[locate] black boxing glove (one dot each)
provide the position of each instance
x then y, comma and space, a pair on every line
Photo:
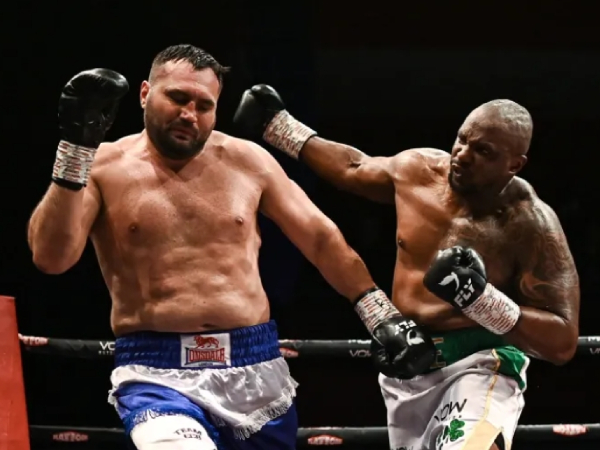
399, 348
261, 113
87, 108
457, 275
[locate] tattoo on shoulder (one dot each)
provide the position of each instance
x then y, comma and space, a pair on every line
549, 275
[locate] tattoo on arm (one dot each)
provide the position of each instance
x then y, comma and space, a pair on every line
549, 279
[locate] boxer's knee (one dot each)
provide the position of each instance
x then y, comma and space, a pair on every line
177, 432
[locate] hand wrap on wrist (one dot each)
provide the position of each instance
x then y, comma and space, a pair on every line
373, 307
287, 134
494, 311
73, 163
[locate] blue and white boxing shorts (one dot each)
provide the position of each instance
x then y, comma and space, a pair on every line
220, 390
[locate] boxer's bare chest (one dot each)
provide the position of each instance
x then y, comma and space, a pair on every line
426, 224
145, 204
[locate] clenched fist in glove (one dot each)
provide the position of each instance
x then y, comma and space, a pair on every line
86, 110
457, 275
261, 114
399, 348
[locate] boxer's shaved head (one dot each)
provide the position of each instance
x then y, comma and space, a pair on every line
513, 117
198, 58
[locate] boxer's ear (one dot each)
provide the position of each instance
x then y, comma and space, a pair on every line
144, 90
517, 163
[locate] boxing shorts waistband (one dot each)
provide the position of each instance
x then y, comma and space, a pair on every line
452, 346
207, 350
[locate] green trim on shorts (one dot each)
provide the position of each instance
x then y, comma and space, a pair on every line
458, 344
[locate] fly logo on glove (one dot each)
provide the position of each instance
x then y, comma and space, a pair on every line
465, 294
412, 338
450, 278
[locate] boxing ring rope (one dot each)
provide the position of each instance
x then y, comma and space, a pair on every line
290, 348
344, 436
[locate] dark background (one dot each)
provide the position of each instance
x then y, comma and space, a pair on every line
381, 76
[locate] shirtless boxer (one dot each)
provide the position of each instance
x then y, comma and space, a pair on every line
172, 213
482, 263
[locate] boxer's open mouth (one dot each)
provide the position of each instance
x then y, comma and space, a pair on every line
458, 171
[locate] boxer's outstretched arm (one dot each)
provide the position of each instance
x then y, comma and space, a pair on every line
261, 112
549, 293
313, 233
60, 224
349, 169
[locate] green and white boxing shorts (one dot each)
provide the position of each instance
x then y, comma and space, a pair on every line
471, 398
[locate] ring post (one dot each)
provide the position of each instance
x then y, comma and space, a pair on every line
14, 427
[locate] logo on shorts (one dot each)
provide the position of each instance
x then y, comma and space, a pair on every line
452, 432
205, 350
450, 415
206, 342
450, 410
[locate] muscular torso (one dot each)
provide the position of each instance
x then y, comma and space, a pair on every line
178, 249
429, 219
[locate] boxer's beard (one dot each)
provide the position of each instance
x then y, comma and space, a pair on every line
168, 146
456, 186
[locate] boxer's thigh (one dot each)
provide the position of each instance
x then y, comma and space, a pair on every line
409, 406
171, 432
476, 411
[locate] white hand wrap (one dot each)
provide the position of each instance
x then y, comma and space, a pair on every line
73, 163
287, 134
494, 311
374, 308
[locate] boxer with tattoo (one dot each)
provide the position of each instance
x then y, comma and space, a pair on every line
482, 263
